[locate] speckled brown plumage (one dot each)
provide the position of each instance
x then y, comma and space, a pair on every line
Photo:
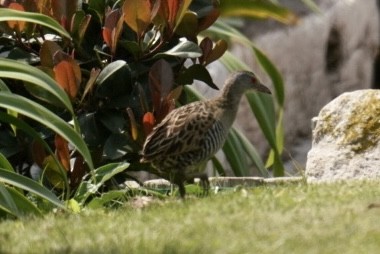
189, 136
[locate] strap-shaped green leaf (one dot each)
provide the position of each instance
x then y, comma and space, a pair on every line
20, 71
30, 185
44, 116
23, 126
251, 152
37, 18
99, 177
257, 9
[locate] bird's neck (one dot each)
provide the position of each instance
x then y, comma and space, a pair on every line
228, 105
230, 97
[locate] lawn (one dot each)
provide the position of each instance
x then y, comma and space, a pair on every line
293, 218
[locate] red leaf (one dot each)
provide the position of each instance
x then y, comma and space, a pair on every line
38, 153
206, 46
164, 12
107, 36
161, 77
161, 80
148, 122
79, 170
166, 106
62, 151
111, 19
47, 52
137, 14
207, 21
90, 82
67, 73
219, 48
116, 32
134, 128
63, 10
17, 25
174, 94
110, 24
173, 7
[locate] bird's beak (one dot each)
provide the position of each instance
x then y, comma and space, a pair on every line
263, 89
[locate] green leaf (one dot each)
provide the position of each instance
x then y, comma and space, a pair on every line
98, 5
278, 166
113, 121
263, 109
198, 72
37, 18
273, 73
188, 25
15, 70
106, 172
312, 5
218, 166
44, 116
181, 12
20, 206
79, 24
7, 202
99, 177
54, 174
4, 163
184, 49
279, 139
234, 154
132, 46
113, 79
30, 185
107, 197
251, 152
261, 9
274, 158
116, 146
231, 62
21, 125
3, 87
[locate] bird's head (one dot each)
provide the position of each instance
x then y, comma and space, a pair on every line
244, 81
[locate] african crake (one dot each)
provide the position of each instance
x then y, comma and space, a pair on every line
180, 146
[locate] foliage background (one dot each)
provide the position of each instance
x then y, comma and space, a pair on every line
82, 85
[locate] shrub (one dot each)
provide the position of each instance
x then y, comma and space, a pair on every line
83, 85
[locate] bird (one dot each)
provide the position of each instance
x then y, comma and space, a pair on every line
180, 145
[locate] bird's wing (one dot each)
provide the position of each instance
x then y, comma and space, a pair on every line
183, 130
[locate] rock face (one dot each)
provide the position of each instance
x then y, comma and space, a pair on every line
346, 139
320, 58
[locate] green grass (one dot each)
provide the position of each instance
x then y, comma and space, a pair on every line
279, 219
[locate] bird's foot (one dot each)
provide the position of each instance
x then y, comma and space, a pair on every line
205, 185
203, 182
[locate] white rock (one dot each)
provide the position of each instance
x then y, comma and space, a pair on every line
346, 139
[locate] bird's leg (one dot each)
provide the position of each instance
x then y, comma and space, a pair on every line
179, 179
204, 182
181, 188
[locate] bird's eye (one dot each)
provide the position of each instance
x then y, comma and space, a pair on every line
253, 79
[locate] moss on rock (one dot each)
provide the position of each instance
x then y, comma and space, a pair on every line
360, 130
